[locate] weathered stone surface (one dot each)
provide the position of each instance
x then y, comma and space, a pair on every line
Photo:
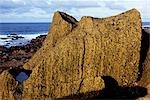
7, 86
61, 25
76, 54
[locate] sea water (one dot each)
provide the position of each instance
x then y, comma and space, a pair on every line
18, 34
146, 24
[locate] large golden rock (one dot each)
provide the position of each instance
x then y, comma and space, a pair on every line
76, 54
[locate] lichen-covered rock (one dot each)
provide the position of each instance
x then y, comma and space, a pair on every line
76, 54
7, 86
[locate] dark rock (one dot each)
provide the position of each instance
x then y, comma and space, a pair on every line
16, 56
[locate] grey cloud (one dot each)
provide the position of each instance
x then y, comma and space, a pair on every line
76, 4
112, 5
24, 5
47, 5
42, 8
9, 4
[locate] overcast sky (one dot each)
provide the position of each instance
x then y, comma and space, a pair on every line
42, 10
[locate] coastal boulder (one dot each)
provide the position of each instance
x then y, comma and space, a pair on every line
76, 54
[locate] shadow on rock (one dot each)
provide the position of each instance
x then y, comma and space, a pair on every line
111, 91
16, 71
144, 50
20, 75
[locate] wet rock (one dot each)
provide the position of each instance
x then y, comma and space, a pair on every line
147, 30
16, 56
2, 48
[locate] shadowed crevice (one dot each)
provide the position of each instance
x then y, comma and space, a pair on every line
68, 18
19, 71
143, 51
19, 75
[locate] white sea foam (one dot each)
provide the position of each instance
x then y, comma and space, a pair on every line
8, 40
146, 26
32, 36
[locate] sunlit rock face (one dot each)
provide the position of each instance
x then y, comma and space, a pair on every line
76, 54
7, 86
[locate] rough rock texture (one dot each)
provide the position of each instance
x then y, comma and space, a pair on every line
60, 27
7, 86
76, 54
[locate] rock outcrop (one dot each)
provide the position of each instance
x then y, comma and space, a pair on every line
8, 86
76, 54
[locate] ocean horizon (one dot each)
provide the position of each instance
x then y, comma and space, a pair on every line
18, 34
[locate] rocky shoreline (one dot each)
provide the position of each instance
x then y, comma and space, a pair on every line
17, 56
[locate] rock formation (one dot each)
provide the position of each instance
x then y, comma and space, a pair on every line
76, 54
8, 86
